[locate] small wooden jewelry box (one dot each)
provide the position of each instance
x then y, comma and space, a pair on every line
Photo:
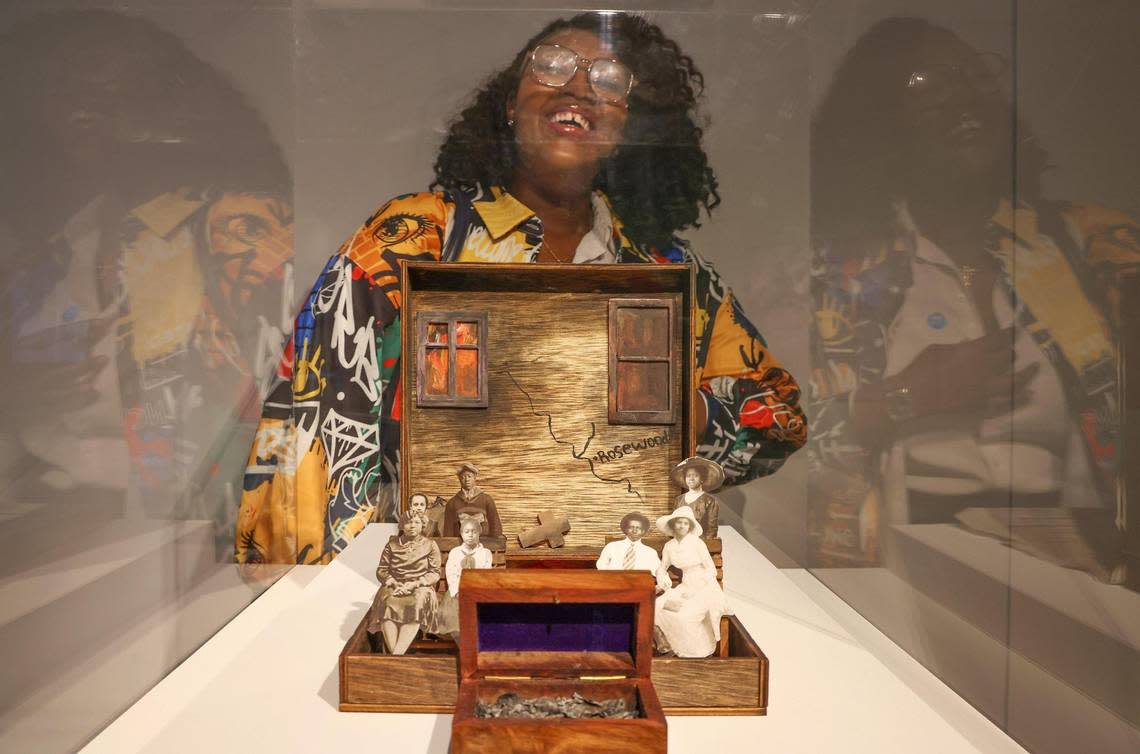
552, 633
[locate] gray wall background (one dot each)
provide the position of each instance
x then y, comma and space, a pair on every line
358, 94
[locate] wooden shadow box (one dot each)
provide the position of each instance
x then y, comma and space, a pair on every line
545, 433
513, 367
553, 633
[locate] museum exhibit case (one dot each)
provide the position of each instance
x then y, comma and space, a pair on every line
311, 307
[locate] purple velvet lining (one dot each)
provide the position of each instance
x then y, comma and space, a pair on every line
543, 627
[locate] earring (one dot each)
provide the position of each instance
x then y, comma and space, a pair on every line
511, 122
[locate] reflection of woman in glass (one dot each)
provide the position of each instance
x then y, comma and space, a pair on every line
146, 240
962, 334
583, 148
687, 616
408, 572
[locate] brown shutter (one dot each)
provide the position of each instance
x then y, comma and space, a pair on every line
642, 362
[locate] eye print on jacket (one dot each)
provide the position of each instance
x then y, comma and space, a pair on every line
402, 228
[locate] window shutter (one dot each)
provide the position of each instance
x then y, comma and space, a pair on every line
642, 361
451, 359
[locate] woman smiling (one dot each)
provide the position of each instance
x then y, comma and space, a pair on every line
583, 149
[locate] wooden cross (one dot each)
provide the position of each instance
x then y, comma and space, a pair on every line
551, 527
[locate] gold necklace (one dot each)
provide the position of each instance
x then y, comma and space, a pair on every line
554, 254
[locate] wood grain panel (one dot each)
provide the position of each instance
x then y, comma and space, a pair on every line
709, 682
537, 443
563, 557
733, 685
401, 679
557, 735
549, 278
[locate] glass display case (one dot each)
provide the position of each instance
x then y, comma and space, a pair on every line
913, 229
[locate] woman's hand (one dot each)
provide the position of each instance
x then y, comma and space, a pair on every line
971, 374
942, 379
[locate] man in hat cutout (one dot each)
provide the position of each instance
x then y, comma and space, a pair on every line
470, 496
630, 554
699, 476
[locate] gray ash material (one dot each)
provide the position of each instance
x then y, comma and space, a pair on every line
575, 707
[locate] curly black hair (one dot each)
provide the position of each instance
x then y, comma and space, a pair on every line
859, 160
658, 179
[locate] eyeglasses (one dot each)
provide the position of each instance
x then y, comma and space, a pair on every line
940, 81
552, 65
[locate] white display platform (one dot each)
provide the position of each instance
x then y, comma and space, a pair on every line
100, 613
1049, 650
832, 689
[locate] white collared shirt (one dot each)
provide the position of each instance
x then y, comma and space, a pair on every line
454, 566
969, 452
613, 556
596, 247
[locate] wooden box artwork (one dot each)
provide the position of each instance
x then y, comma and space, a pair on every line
555, 633
545, 441
572, 392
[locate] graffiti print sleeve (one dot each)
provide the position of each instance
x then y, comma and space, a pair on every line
326, 455
753, 404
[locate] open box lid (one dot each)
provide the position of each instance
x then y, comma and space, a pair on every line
552, 623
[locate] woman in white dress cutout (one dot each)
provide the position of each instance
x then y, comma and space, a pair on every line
688, 615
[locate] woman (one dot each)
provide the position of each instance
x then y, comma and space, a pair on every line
699, 476
687, 616
963, 337
406, 602
147, 241
583, 148
418, 503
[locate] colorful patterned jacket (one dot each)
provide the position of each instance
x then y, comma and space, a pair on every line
325, 459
